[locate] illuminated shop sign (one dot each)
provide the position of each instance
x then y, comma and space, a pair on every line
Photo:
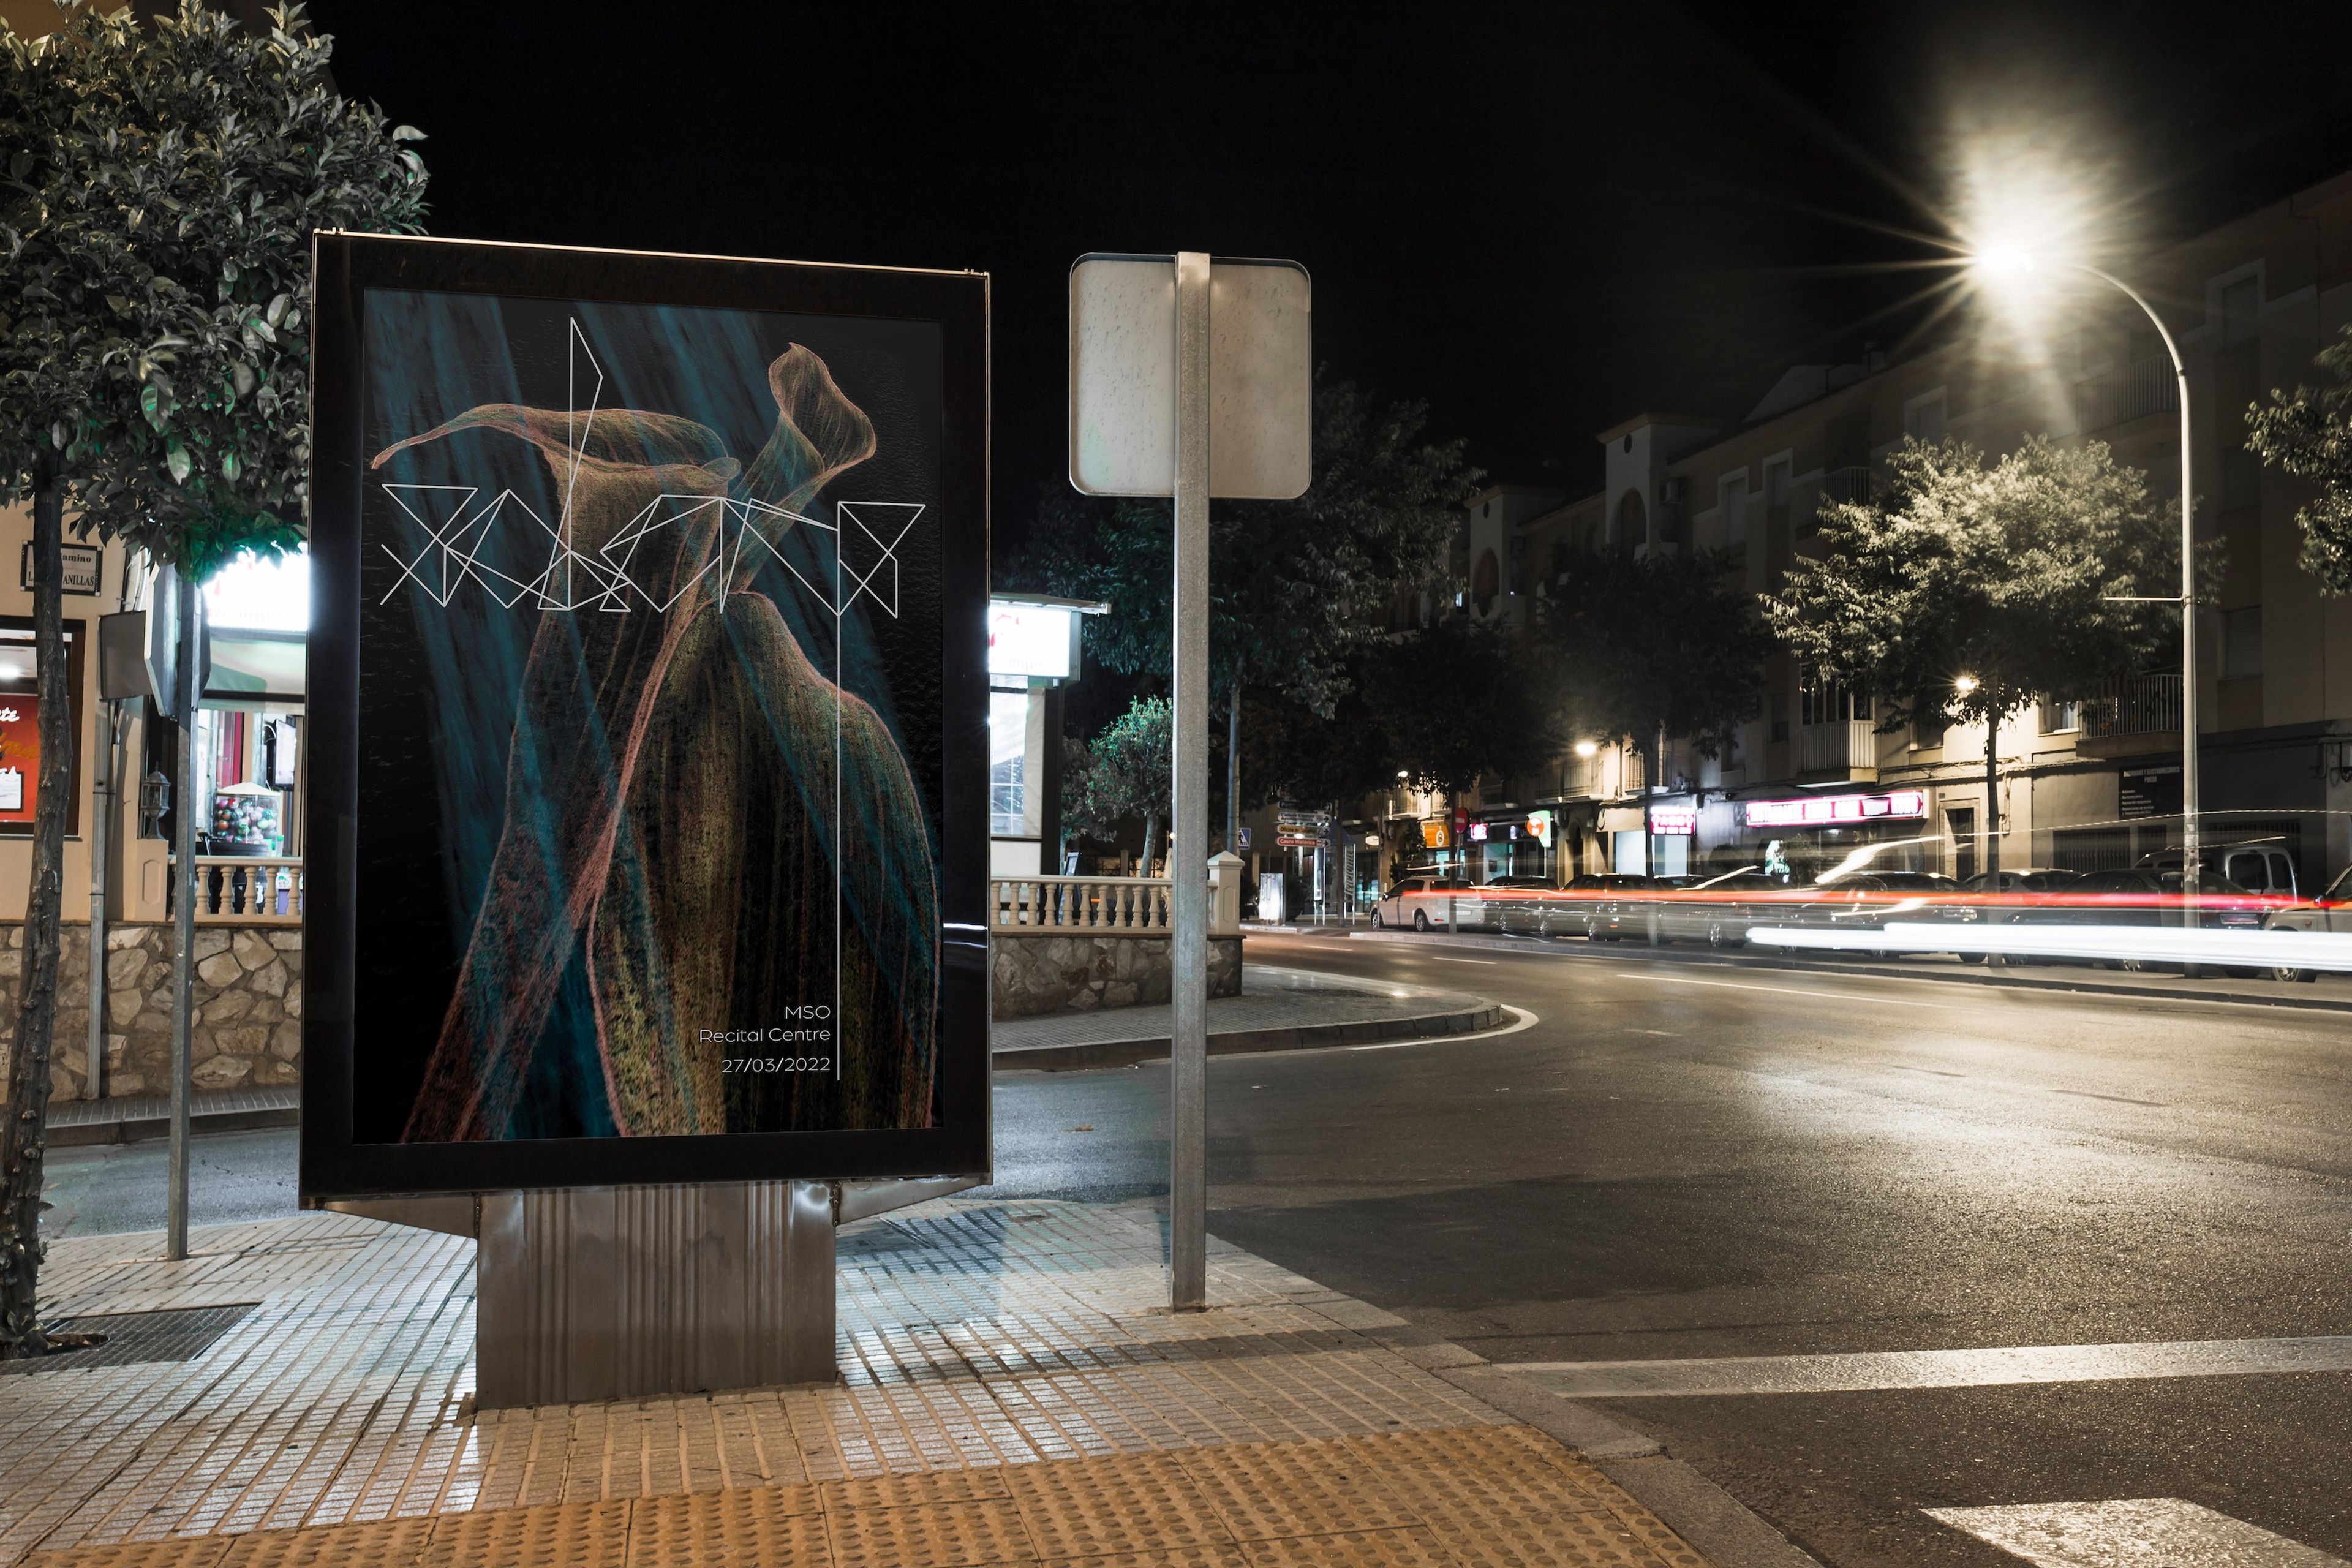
1039, 640
1674, 821
1834, 810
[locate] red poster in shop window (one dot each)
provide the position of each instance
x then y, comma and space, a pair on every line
20, 755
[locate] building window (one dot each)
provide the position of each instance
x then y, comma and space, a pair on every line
1008, 749
2241, 642
1927, 731
2242, 317
2060, 718
1820, 702
20, 727
1922, 418
1632, 521
1731, 497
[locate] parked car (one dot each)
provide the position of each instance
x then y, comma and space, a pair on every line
1422, 902
1606, 906
1872, 901
2332, 911
2147, 897
1513, 904
1719, 910
2257, 868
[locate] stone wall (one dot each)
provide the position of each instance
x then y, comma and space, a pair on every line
1070, 972
248, 1030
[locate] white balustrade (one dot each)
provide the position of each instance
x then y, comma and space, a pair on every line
1139, 905
247, 889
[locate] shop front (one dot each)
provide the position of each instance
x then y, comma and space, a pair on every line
1512, 842
1803, 838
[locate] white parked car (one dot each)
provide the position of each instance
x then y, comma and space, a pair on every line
1429, 903
2332, 910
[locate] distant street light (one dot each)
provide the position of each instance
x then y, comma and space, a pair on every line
2009, 268
1964, 684
1588, 748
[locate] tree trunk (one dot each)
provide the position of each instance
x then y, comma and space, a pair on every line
22, 1134
1992, 801
1233, 772
1151, 841
187, 812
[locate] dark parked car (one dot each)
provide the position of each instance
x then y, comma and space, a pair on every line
1719, 910
1869, 901
1515, 904
2147, 897
1606, 906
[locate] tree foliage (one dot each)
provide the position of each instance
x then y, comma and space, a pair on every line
1444, 705
163, 181
2008, 575
1126, 773
1637, 642
2309, 434
1295, 586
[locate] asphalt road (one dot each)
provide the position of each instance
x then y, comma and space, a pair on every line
1679, 1162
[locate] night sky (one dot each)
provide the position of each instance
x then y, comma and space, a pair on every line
1539, 220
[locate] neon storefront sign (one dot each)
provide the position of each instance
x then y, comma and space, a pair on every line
1834, 810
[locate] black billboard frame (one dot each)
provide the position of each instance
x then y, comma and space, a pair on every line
344, 267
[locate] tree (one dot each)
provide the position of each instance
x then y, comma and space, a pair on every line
1129, 772
2309, 434
1295, 587
1966, 592
161, 187
1453, 703
1647, 646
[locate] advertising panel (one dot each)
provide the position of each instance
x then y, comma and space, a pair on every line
648, 701
1834, 810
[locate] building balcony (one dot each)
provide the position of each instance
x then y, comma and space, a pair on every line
2131, 714
1847, 749
2137, 390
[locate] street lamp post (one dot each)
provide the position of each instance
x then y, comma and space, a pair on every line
2009, 260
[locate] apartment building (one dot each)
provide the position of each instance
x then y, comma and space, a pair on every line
1813, 779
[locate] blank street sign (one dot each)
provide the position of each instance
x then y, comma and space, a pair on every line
1123, 377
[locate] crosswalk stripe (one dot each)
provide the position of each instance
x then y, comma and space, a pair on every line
1867, 1371
2134, 1532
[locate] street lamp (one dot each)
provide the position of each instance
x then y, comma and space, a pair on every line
2008, 267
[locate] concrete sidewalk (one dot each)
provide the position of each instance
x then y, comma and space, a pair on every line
1015, 1391
134, 1118
1279, 1010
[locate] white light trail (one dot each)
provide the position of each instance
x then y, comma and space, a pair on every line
2149, 944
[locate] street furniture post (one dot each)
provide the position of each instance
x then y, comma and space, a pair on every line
1188, 1185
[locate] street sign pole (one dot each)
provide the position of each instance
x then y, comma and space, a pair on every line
1187, 1174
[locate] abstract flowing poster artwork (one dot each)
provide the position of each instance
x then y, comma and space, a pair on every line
646, 591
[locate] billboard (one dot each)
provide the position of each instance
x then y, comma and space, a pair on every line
647, 680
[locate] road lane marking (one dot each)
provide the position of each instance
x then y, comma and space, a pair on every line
1442, 959
2132, 1532
1870, 1372
1520, 1019
1793, 991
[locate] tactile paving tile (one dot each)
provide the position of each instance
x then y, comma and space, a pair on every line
914, 1489
1528, 1534
1223, 1554
551, 1535
1264, 1490
1364, 1549
1127, 1502
390, 1544
753, 1528
1473, 1468
943, 1535
1652, 1530
201, 1551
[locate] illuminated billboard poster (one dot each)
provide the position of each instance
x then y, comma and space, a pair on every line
1834, 810
648, 694
1674, 821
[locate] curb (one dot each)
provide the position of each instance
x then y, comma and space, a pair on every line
142, 1129
1234, 1042
1973, 976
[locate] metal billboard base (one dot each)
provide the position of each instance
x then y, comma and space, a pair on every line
599, 1293
585, 1294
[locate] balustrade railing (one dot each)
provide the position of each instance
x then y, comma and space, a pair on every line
1847, 745
2143, 387
238, 890
1140, 906
2134, 705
